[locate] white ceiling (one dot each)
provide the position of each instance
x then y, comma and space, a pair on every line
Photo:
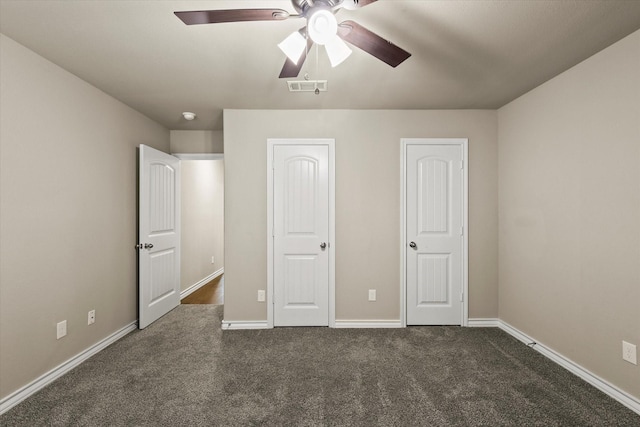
466, 54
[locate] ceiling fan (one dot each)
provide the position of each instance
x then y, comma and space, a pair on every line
322, 28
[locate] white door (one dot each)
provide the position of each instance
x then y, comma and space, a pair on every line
301, 243
434, 221
159, 235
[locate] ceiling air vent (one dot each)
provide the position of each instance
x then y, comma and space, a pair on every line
307, 85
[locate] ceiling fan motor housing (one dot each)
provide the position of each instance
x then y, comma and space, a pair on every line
304, 6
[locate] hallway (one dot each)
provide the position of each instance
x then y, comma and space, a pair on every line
211, 293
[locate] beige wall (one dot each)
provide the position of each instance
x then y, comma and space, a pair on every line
67, 213
570, 212
367, 203
202, 219
196, 141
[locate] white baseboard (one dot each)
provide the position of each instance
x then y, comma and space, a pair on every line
604, 386
46, 379
262, 324
244, 324
483, 323
191, 289
368, 324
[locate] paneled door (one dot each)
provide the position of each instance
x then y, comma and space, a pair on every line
159, 235
434, 241
301, 234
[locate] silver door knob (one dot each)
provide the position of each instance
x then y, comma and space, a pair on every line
323, 245
148, 245
139, 246
413, 245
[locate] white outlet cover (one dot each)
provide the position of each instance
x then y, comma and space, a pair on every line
261, 296
61, 329
629, 352
372, 294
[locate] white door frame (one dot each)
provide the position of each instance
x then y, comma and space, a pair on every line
271, 143
404, 143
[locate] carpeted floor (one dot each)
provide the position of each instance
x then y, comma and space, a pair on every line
184, 371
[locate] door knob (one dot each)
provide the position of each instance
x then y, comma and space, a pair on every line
148, 245
413, 245
323, 245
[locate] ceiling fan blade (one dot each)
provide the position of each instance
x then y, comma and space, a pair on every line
232, 15
290, 69
372, 43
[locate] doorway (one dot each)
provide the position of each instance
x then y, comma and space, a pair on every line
434, 231
202, 243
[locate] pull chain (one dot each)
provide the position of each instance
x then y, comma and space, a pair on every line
317, 91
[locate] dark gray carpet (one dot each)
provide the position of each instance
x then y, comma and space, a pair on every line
184, 371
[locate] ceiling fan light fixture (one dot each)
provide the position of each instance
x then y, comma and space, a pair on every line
337, 51
293, 46
322, 26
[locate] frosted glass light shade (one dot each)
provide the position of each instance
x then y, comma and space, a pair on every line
322, 26
337, 50
293, 46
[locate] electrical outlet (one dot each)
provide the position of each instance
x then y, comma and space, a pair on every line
91, 317
629, 353
61, 329
261, 296
213, 260
372, 294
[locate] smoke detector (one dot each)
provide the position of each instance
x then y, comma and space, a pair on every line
189, 115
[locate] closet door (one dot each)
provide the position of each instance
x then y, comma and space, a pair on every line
434, 234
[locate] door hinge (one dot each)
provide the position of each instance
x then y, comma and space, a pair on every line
462, 231
461, 296
461, 164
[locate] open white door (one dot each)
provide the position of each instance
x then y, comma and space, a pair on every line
159, 235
